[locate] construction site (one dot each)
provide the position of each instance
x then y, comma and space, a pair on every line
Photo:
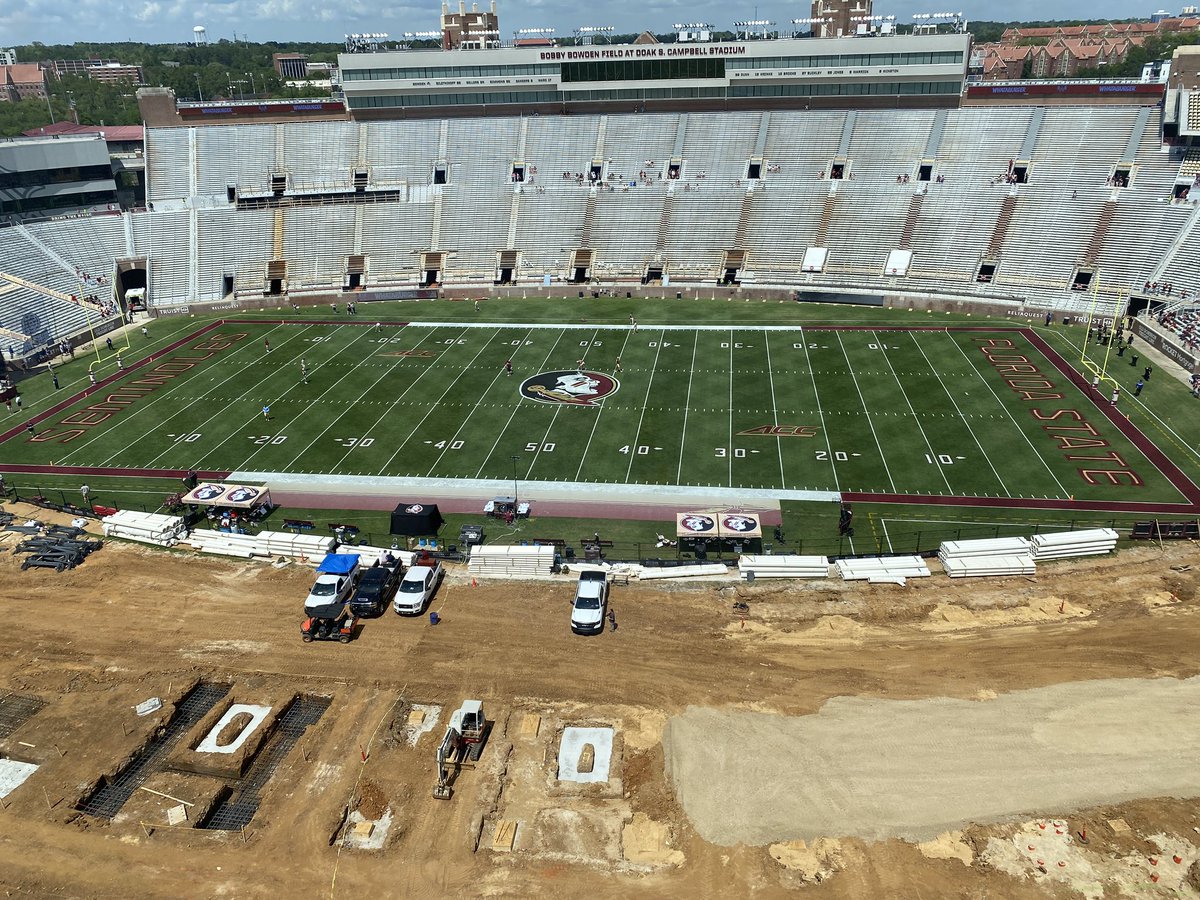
164, 732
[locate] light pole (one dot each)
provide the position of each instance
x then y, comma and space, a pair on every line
253, 90
229, 81
199, 92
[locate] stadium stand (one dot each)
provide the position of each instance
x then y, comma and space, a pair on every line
332, 205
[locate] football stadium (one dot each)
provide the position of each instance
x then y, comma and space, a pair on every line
853, 403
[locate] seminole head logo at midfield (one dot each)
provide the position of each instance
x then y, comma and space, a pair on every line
573, 388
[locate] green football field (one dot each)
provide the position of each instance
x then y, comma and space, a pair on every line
944, 412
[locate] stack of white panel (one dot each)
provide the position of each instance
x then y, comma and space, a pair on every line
148, 528
224, 543
652, 573
979, 566
370, 554
510, 561
288, 543
989, 556
1064, 544
1007, 546
784, 566
883, 569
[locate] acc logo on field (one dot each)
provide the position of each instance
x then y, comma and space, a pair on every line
415, 509
698, 524
569, 387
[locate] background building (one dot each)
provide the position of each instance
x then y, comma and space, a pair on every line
22, 81
115, 73
839, 16
469, 30
292, 66
8, 57
912, 71
41, 175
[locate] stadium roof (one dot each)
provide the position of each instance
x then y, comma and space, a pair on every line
115, 133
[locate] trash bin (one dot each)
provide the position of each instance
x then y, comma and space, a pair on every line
434, 618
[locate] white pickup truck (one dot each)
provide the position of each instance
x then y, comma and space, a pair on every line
416, 590
591, 603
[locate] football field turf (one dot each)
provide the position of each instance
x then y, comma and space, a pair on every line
938, 412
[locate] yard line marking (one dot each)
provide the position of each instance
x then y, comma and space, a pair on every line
687, 403
932, 453
599, 413
774, 409
554, 418
439, 400
642, 418
166, 395
294, 418
382, 416
1003, 486
730, 444
870, 424
517, 406
476, 406
821, 413
1007, 412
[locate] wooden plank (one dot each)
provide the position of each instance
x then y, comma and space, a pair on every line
505, 836
530, 724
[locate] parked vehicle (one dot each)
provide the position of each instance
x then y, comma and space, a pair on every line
337, 576
334, 622
417, 588
591, 603
375, 591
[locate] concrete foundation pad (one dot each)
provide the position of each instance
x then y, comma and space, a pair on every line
257, 714
371, 838
13, 774
414, 727
572, 744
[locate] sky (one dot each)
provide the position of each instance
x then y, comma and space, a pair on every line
171, 21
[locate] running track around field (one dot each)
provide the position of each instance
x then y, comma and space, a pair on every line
602, 509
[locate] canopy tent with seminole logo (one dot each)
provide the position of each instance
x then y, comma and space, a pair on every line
228, 496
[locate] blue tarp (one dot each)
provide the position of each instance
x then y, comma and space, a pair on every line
338, 563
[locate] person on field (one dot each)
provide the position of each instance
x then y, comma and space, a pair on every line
1137, 388
267, 344
508, 367
266, 411
617, 365
304, 371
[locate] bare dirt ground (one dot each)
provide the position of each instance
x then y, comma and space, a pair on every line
134, 623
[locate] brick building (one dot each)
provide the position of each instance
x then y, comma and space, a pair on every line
22, 81
470, 30
1062, 51
839, 16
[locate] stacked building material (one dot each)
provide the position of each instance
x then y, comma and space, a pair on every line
990, 556
369, 554
148, 528
751, 566
288, 543
226, 543
510, 561
882, 569
654, 573
1066, 544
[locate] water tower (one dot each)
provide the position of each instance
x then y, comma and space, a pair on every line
199, 35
